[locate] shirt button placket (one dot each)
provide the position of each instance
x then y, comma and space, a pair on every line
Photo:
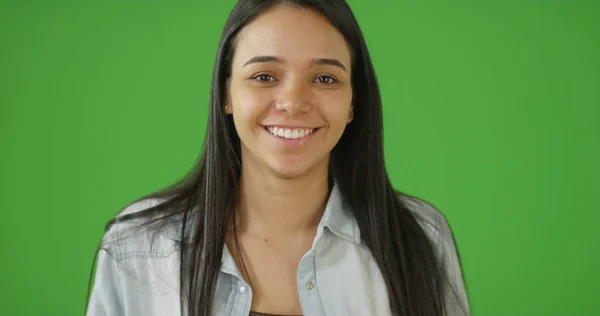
242, 299
307, 287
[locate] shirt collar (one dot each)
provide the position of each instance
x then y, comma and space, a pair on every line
338, 218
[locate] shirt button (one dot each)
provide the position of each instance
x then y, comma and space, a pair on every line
242, 290
310, 285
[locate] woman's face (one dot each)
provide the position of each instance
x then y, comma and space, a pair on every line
290, 92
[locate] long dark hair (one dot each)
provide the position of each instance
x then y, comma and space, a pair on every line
205, 199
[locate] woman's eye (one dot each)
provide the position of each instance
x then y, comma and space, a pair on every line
326, 79
264, 78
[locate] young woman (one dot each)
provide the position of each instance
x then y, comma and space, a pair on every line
289, 210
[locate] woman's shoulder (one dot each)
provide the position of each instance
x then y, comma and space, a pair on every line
132, 233
430, 217
436, 226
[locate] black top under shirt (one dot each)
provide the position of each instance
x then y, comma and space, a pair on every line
263, 314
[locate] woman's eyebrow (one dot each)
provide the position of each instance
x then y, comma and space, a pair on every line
328, 61
314, 61
263, 59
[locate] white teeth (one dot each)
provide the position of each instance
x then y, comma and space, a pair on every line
290, 133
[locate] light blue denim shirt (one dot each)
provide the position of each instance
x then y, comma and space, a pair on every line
139, 275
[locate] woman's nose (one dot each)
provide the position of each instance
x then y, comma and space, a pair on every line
294, 99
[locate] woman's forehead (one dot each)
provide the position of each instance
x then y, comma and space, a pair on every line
293, 34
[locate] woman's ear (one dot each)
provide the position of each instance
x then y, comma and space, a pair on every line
350, 114
228, 108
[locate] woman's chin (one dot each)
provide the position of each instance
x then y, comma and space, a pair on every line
290, 168
289, 172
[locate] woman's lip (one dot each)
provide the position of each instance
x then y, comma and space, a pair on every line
291, 142
288, 127
314, 129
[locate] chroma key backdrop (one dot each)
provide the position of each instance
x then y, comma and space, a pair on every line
491, 113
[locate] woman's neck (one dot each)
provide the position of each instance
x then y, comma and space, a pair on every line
274, 206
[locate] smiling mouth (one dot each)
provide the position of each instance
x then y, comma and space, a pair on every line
290, 133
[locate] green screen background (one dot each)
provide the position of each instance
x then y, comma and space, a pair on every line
491, 113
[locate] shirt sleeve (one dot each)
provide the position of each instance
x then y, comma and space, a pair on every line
457, 303
106, 298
